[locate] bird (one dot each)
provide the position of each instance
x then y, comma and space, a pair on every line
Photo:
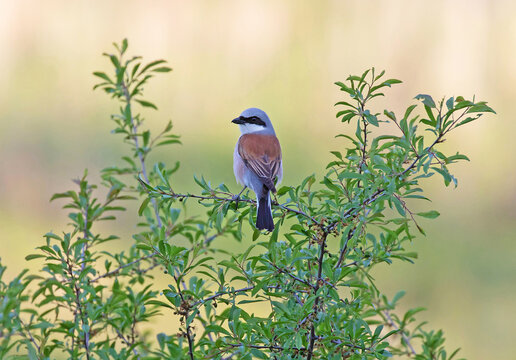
257, 162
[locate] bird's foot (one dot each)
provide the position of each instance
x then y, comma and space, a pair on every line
236, 198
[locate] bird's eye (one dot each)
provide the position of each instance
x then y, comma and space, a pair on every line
256, 120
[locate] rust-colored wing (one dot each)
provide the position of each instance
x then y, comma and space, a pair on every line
262, 155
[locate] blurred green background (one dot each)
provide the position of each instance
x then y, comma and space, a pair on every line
282, 56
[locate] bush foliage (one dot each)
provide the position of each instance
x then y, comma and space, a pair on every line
303, 291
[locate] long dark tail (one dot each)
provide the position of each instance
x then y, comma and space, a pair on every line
264, 214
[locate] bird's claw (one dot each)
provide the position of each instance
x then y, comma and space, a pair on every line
236, 199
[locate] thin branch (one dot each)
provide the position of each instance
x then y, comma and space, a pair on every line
419, 156
380, 191
322, 246
134, 129
345, 248
391, 323
230, 356
78, 311
127, 342
84, 246
364, 144
31, 338
283, 271
350, 264
121, 267
188, 331
221, 293
208, 240
451, 126
405, 207
231, 199
270, 347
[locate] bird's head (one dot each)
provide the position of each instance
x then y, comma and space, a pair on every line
254, 120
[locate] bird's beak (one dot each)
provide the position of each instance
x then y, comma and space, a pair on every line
238, 121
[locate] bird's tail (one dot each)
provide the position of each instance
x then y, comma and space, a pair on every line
264, 215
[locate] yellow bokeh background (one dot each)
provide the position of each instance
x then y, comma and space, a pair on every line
282, 56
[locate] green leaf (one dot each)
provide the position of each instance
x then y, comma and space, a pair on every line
162, 69
146, 104
426, 99
124, 46
345, 103
429, 214
371, 118
399, 206
151, 64
34, 256
393, 81
351, 175
103, 76
166, 142
481, 107
397, 297
52, 236
330, 185
410, 314
467, 120
337, 154
449, 103
142, 246
345, 88
283, 190
115, 61
409, 111
456, 157
389, 114
143, 206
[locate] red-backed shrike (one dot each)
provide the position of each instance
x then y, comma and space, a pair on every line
257, 161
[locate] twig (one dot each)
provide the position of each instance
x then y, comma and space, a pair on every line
30, 335
84, 246
230, 199
283, 271
345, 248
218, 294
121, 267
270, 347
230, 356
79, 311
405, 338
77, 291
317, 299
405, 207
127, 342
188, 334
380, 191
140, 155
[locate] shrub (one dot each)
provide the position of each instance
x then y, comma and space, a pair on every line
311, 276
